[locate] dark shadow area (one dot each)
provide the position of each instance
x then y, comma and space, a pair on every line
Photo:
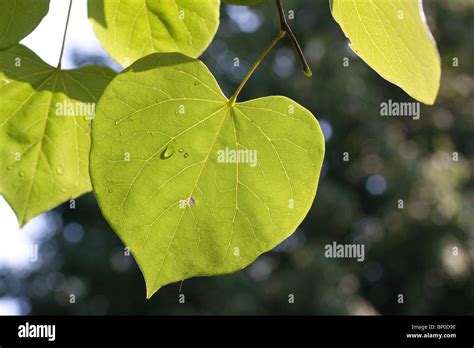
96, 11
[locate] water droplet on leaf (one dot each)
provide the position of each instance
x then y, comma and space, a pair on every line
60, 170
168, 152
181, 150
186, 155
22, 173
191, 202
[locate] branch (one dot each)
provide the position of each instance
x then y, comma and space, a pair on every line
64, 36
286, 28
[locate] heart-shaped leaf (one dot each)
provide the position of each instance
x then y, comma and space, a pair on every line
192, 185
18, 18
129, 30
393, 38
44, 116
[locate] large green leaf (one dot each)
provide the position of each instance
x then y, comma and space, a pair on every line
44, 145
18, 18
393, 38
163, 182
129, 30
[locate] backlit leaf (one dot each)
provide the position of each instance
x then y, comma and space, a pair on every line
163, 170
129, 30
44, 117
393, 38
18, 18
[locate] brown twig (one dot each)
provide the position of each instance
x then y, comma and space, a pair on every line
286, 28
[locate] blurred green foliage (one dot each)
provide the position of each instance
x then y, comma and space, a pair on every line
409, 251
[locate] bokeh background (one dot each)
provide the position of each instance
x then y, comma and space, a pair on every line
409, 251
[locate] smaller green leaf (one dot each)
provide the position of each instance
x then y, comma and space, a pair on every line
129, 30
244, 2
18, 18
44, 119
393, 38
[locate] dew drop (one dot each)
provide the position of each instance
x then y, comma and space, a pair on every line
186, 155
181, 150
60, 170
110, 191
191, 202
22, 173
116, 123
167, 153
196, 83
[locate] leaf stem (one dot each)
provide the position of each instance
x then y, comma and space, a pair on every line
272, 44
286, 27
64, 36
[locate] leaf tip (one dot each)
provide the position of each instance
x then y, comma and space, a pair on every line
150, 291
21, 218
430, 101
426, 97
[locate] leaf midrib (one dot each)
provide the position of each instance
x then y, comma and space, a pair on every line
57, 73
206, 160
